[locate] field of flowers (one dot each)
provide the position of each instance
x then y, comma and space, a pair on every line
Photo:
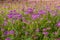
29, 23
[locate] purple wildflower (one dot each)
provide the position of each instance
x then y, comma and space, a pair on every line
7, 39
11, 32
58, 24
6, 33
45, 33
19, 16
41, 12
5, 22
14, 15
12, 11
35, 16
58, 39
48, 8
44, 29
58, 7
26, 12
10, 15
29, 10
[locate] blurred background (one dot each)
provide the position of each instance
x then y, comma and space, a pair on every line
16, 4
